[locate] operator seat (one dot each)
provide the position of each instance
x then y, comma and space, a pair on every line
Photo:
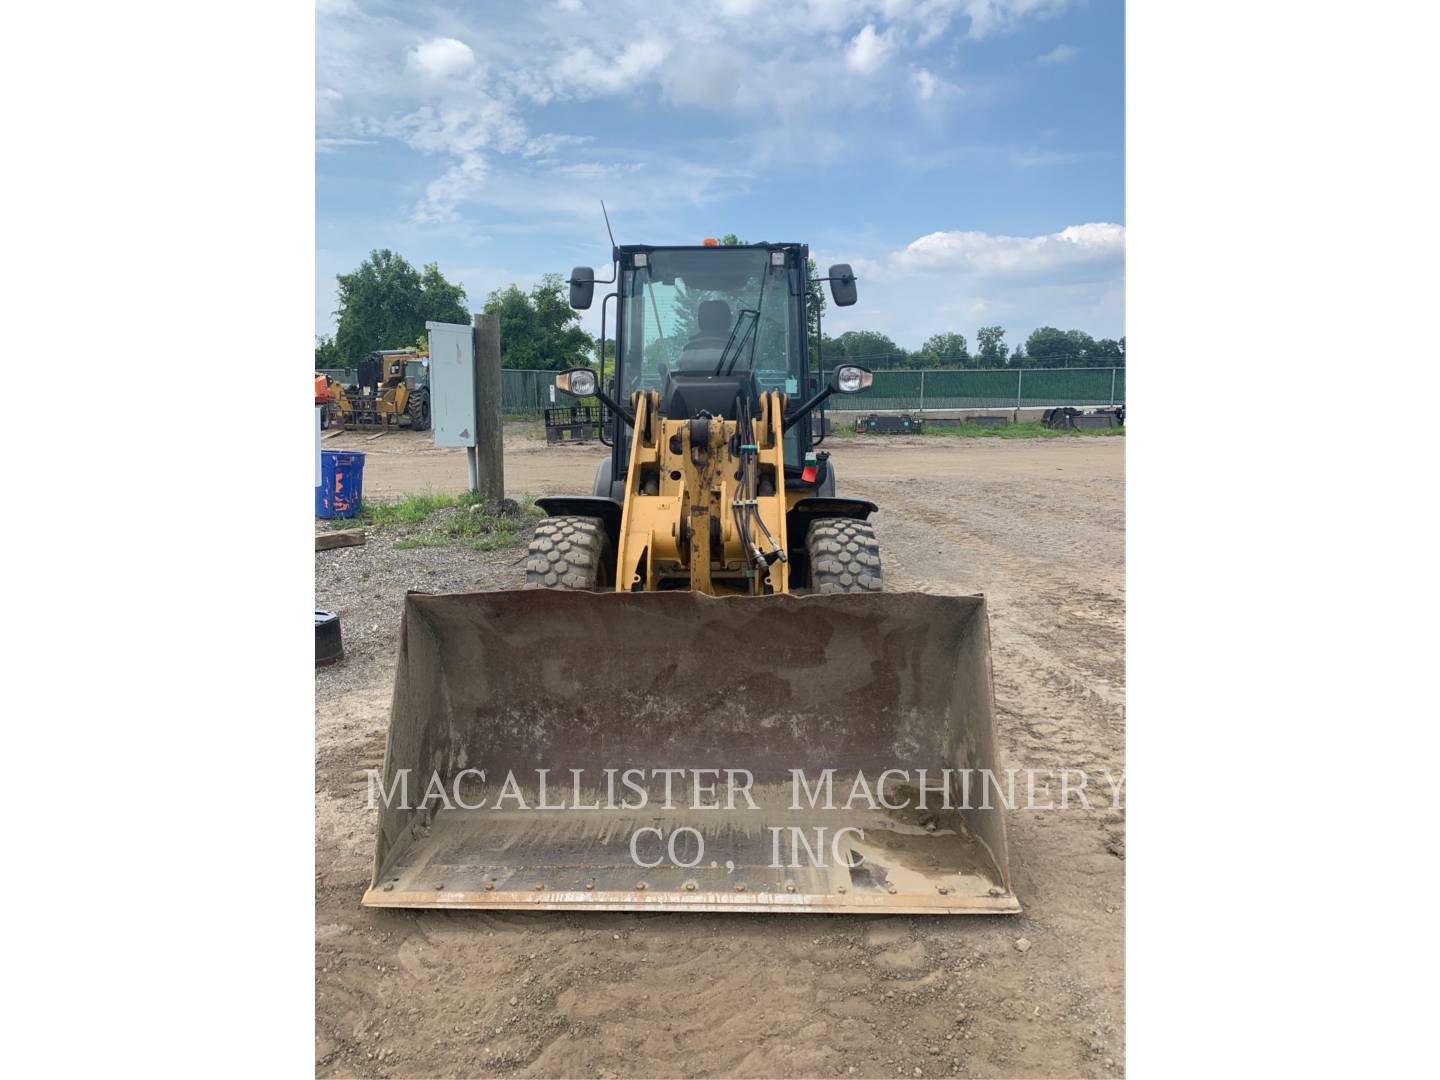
703, 350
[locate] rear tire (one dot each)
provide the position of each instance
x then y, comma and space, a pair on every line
418, 409
844, 556
568, 553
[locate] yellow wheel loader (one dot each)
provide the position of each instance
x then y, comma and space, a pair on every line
702, 699
390, 386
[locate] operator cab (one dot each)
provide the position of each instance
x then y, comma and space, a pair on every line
704, 325
717, 311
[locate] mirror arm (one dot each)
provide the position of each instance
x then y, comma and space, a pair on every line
614, 274
806, 409
614, 406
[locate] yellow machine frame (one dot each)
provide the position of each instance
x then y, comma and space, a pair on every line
387, 402
687, 493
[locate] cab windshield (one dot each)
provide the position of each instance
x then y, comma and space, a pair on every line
711, 311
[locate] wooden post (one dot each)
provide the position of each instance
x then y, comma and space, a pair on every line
489, 479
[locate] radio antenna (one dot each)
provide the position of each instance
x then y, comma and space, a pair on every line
607, 223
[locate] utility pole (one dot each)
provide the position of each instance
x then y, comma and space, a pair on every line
487, 461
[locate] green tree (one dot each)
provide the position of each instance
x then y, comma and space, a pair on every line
1082, 348
609, 352
384, 304
326, 354
1107, 352
990, 341
868, 347
814, 303
539, 329
1018, 357
1049, 347
944, 350
440, 300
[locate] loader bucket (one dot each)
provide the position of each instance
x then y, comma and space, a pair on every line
674, 751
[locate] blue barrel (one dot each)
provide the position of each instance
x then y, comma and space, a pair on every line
342, 474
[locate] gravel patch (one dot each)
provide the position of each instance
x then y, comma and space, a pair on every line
366, 585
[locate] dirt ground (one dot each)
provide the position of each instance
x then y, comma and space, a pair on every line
1036, 525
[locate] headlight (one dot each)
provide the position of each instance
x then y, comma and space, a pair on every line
578, 381
851, 379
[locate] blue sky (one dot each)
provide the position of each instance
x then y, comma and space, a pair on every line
966, 156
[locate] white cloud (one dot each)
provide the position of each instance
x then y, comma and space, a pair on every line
1002, 16
708, 77
461, 181
334, 146
597, 170
544, 147
442, 57
1060, 54
327, 103
931, 90
925, 84
960, 280
486, 123
985, 253
868, 50
583, 72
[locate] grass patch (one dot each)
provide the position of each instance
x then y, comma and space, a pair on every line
430, 519
406, 510
1031, 429
524, 426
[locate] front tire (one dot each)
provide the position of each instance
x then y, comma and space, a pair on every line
568, 553
418, 409
844, 556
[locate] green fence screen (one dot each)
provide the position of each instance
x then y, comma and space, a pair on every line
984, 388
527, 393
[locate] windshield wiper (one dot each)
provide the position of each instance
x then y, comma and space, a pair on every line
755, 316
754, 325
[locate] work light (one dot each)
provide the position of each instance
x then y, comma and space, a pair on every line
577, 381
851, 379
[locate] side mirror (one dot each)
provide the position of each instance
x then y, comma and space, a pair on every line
842, 285
579, 381
582, 288
851, 378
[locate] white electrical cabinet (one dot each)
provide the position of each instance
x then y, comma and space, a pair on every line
452, 383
